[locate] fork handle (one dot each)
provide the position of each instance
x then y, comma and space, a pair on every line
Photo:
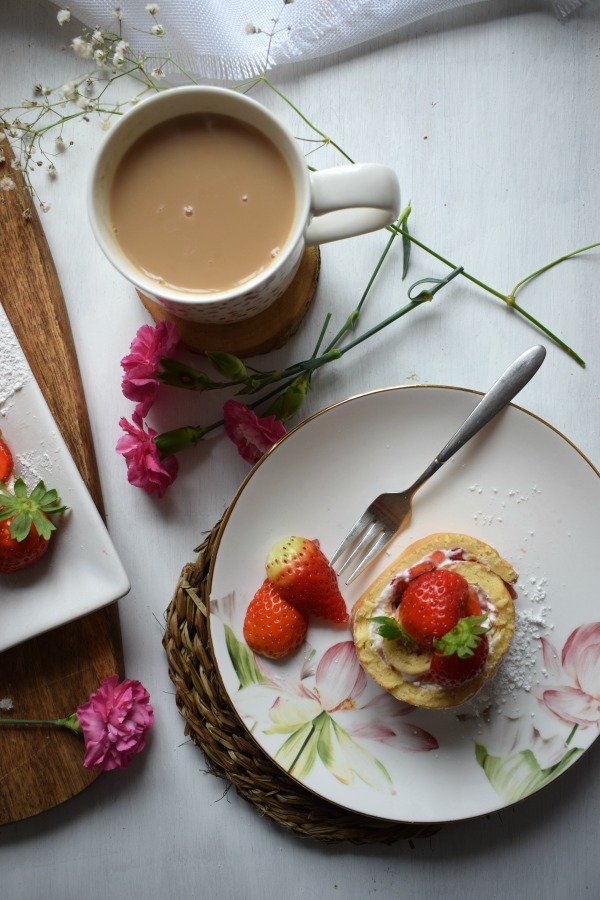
518, 374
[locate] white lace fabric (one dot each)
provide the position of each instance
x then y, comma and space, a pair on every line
229, 39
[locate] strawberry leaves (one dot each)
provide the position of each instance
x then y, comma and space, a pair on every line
391, 629
463, 639
24, 510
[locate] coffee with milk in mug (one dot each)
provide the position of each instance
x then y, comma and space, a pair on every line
202, 203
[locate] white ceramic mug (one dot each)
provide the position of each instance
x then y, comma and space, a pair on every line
329, 205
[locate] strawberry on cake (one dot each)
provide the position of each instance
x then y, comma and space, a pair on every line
434, 626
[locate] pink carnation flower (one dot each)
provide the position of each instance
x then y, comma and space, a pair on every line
115, 722
145, 469
150, 345
251, 435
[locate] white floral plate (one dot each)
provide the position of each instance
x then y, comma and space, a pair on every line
81, 570
520, 486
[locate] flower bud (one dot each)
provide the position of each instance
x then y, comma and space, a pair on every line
228, 365
288, 403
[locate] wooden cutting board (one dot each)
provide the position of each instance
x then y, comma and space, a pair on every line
50, 676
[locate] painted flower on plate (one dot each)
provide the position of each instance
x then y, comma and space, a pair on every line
574, 697
324, 709
516, 758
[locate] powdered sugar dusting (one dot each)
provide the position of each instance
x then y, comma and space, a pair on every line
14, 370
500, 502
519, 672
32, 464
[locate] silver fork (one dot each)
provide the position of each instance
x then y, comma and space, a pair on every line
388, 513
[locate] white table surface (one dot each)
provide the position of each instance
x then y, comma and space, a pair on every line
490, 116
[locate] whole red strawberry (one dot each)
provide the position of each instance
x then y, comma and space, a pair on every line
432, 604
6, 461
453, 670
272, 626
302, 575
25, 527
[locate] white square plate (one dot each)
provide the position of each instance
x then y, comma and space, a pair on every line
81, 570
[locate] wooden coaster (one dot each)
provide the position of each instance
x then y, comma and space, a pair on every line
267, 331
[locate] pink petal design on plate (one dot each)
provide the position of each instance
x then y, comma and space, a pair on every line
551, 657
385, 705
404, 736
572, 706
581, 658
339, 676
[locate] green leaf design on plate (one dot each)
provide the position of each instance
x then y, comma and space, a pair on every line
339, 753
519, 775
299, 753
288, 716
358, 760
242, 660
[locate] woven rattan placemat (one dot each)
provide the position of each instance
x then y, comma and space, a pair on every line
229, 750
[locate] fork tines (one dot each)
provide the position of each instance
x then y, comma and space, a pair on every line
363, 542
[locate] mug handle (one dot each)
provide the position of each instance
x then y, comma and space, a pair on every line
352, 200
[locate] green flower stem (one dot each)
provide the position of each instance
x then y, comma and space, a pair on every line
71, 722
352, 319
188, 436
509, 299
572, 734
30, 722
553, 337
551, 265
262, 79
170, 442
406, 234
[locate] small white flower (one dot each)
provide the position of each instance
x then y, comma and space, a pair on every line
100, 56
118, 60
27, 214
52, 171
104, 124
250, 28
7, 183
45, 207
157, 74
6, 703
69, 90
60, 145
157, 30
82, 48
85, 103
135, 100
152, 8
118, 13
63, 16
121, 47
97, 37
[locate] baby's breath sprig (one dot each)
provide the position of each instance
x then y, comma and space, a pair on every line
87, 97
